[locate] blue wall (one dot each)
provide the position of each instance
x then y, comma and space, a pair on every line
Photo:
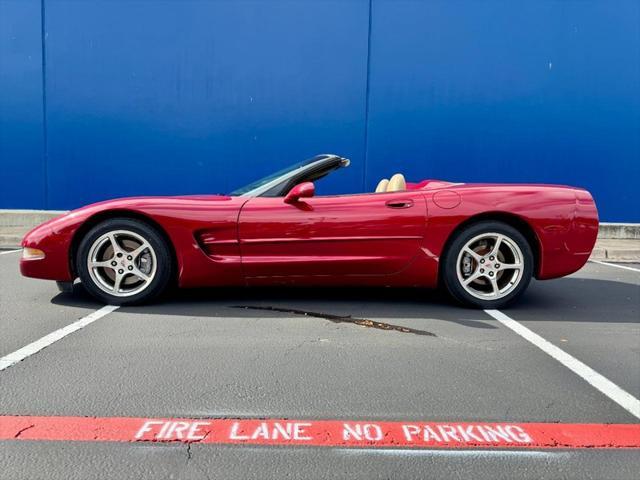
109, 98
22, 162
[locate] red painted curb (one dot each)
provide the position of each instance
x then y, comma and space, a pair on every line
323, 433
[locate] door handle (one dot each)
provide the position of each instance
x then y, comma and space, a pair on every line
399, 203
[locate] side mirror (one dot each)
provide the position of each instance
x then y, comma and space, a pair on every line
302, 190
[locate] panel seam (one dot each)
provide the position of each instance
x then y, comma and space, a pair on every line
45, 149
366, 104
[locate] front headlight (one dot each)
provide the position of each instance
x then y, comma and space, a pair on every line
32, 254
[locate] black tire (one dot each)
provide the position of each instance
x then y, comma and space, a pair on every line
449, 266
157, 283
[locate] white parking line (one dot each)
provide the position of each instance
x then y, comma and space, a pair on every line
616, 265
601, 383
24, 352
4, 252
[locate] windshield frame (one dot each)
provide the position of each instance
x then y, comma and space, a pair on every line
286, 175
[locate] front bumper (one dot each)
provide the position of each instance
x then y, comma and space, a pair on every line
55, 264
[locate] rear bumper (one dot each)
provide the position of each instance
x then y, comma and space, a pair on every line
568, 249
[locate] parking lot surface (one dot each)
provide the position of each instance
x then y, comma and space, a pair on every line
349, 355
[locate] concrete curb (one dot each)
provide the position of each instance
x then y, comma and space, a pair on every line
614, 250
14, 224
617, 242
622, 231
26, 219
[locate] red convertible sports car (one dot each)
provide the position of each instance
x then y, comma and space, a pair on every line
483, 242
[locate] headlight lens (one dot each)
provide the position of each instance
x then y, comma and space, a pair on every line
32, 254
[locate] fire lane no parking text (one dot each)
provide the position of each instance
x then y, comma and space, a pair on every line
322, 433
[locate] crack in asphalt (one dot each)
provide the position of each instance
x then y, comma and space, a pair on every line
363, 322
22, 430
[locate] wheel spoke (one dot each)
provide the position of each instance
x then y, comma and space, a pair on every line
139, 250
114, 243
103, 264
511, 266
496, 247
142, 276
495, 290
473, 254
474, 276
118, 281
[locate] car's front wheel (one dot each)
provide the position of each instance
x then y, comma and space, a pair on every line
488, 265
123, 261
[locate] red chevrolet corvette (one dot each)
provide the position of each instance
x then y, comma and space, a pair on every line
483, 242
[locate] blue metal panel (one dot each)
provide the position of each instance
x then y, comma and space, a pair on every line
199, 97
22, 167
527, 91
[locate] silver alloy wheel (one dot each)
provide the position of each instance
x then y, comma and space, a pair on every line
490, 266
122, 263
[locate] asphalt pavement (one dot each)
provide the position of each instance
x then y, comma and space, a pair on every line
321, 354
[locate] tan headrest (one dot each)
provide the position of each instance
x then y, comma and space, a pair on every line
382, 186
397, 183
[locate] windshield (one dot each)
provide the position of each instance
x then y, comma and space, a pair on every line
273, 176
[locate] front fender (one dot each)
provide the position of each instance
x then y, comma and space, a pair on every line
54, 239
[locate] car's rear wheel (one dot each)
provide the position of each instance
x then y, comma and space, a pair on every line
488, 264
124, 261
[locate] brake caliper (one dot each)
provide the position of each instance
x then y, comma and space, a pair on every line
467, 265
144, 263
